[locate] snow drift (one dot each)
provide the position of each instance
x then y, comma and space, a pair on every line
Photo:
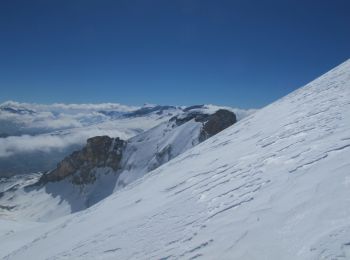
274, 186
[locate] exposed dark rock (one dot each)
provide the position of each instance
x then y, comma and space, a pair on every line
192, 107
13, 110
159, 110
213, 123
100, 151
114, 114
7, 207
217, 122
197, 116
4, 135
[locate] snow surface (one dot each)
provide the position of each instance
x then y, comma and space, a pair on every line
274, 186
155, 147
143, 153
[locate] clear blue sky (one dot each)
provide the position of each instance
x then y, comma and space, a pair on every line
240, 53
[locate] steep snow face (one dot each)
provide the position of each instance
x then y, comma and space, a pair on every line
155, 147
274, 186
160, 144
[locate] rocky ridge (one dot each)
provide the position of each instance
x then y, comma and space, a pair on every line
107, 152
99, 152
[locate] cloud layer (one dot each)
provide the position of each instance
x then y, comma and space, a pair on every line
24, 118
36, 137
50, 142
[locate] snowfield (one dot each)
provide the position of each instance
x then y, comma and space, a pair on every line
276, 185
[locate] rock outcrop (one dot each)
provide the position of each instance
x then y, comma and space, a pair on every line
100, 152
105, 152
212, 123
217, 122
197, 116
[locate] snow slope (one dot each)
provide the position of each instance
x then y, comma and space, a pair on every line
155, 147
274, 186
140, 155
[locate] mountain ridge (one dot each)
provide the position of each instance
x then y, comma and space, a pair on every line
107, 164
37, 141
258, 190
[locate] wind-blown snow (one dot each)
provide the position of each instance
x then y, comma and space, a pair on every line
274, 186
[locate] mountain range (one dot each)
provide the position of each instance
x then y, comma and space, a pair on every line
35, 137
273, 185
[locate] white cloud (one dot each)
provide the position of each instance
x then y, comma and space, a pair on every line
19, 144
58, 126
39, 118
71, 107
49, 142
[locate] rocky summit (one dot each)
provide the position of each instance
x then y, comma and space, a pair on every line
217, 122
99, 152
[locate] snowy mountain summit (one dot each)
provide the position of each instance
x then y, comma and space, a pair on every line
276, 185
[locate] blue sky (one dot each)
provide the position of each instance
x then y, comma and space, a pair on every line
237, 53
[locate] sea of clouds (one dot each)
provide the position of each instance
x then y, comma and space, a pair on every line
28, 127
34, 135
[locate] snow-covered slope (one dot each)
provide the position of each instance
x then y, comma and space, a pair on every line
107, 164
274, 186
149, 150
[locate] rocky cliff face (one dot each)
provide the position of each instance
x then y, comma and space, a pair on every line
141, 154
212, 123
99, 152
217, 122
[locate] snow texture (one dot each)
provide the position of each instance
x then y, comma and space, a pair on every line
274, 186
